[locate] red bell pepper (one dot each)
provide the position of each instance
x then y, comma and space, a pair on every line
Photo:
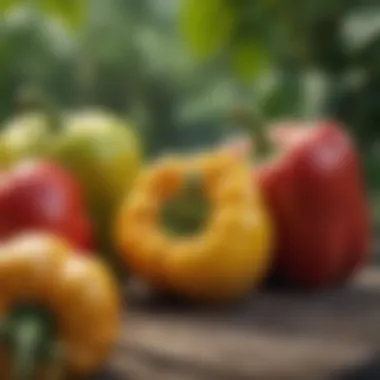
40, 195
313, 186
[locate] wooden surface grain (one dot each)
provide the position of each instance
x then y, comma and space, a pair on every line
330, 335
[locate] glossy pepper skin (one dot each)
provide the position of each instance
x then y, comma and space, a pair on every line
315, 192
23, 137
40, 273
39, 195
103, 152
226, 258
100, 149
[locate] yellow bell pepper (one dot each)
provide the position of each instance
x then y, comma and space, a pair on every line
60, 312
227, 258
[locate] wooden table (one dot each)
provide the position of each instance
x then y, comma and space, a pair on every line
332, 335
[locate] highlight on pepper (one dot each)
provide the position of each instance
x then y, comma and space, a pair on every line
37, 194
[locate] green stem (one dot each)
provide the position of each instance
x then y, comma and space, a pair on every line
185, 213
56, 362
34, 99
256, 127
4, 327
28, 337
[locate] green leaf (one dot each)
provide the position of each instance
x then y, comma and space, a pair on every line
249, 59
368, 56
5, 5
206, 25
71, 12
284, 96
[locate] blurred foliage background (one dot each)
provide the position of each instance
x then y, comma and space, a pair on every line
178, 67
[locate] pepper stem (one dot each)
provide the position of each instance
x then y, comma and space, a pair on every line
3, 328
28, 337
253, 123
185, 213
56, 362
34, 99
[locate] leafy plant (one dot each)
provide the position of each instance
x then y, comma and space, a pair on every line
72, 12
338, 40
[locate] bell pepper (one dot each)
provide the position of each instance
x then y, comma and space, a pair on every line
225, 256
313, 186
38, 195
60, 312
23, 137
101, 150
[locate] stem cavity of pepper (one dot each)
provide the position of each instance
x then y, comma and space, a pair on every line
185, 213
27, 338
56, 362
28, 332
